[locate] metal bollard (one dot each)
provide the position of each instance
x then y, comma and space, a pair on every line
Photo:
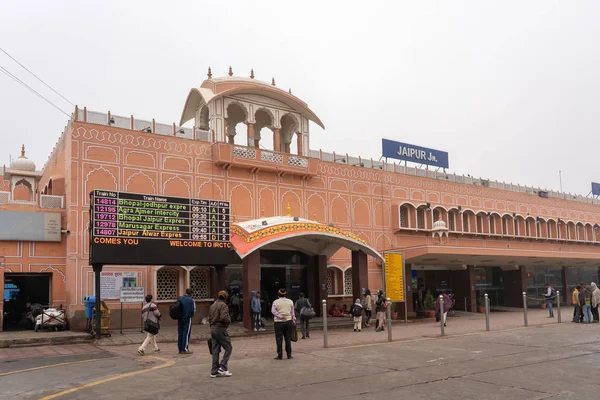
389, 319
558, 304
487, 312
465, 304
442, 314
524, 309
325, 323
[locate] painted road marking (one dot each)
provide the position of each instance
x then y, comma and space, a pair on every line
55, 365
167, 363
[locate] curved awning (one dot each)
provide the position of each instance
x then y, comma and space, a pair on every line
212, 89
292, 233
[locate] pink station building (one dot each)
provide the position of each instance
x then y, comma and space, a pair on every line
304, 219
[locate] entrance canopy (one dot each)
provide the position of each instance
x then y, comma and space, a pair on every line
455, 257
293, 233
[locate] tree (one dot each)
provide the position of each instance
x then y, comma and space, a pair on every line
429, 302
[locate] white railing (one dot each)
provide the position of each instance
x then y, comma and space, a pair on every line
274, 157
4, 197
448, 177
270, 156
244, 152
297, 161
49, 201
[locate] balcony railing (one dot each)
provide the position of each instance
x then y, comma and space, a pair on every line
226, 155
45, 201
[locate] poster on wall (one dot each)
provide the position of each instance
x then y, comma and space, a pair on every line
112, 282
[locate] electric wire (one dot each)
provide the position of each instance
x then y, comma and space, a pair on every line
37, 77
10, 75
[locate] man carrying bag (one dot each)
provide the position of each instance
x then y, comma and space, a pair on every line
219, 320
151, 318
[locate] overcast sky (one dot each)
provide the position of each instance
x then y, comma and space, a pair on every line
509, 88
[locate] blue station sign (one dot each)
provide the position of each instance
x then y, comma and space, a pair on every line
412, 153
596, 189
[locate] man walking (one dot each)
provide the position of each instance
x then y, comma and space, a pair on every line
219, 320
301, 305
380, 306
550, 294
184, 323
283, 311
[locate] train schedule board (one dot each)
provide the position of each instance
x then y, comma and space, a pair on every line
141, 229
394, 276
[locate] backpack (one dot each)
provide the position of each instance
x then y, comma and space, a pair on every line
552, 292
176, 310
357, 311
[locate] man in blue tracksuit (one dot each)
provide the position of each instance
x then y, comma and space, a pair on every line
184, 324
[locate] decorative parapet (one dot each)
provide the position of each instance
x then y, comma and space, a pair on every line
229, 155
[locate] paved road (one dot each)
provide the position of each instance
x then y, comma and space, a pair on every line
539, 362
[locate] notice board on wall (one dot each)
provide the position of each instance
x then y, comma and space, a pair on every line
140, 229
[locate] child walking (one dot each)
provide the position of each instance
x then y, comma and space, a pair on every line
356, 312
256, 309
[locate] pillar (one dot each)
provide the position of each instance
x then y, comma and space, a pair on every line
250, 282
276, 140
360, 273
514, 284
317, 282
299, 143
251, 141
463, 285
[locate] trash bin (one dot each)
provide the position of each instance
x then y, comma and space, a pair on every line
90, 303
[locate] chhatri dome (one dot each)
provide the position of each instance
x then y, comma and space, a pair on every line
23, 163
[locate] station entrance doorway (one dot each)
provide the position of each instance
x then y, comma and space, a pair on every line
21, 290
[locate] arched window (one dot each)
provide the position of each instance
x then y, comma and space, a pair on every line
403, 217
167, 283
330, 281
348, 282
200, 283
420, 218
452, 221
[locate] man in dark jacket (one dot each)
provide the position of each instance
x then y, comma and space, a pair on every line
219, 320
380, 310
184, 323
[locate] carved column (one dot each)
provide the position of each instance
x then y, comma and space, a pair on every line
251, 141
276, 140
299, 140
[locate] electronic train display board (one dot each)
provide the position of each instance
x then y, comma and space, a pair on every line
140, 229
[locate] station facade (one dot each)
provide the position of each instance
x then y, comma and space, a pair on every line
250, 145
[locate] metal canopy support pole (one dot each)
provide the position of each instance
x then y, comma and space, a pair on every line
324, 323
121, 318
442, 314
524, 309
97, 270
487, 312
558, 305
389, 319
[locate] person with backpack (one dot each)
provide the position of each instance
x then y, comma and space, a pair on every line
219, 320
151, 320
183, 310
306, 312
550, 295
380, 307
356, 312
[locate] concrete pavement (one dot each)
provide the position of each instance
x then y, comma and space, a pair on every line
544, 361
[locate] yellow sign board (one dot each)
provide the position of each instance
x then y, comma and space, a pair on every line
394, 276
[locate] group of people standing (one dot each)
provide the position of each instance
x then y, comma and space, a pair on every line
585, 300
283, 309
